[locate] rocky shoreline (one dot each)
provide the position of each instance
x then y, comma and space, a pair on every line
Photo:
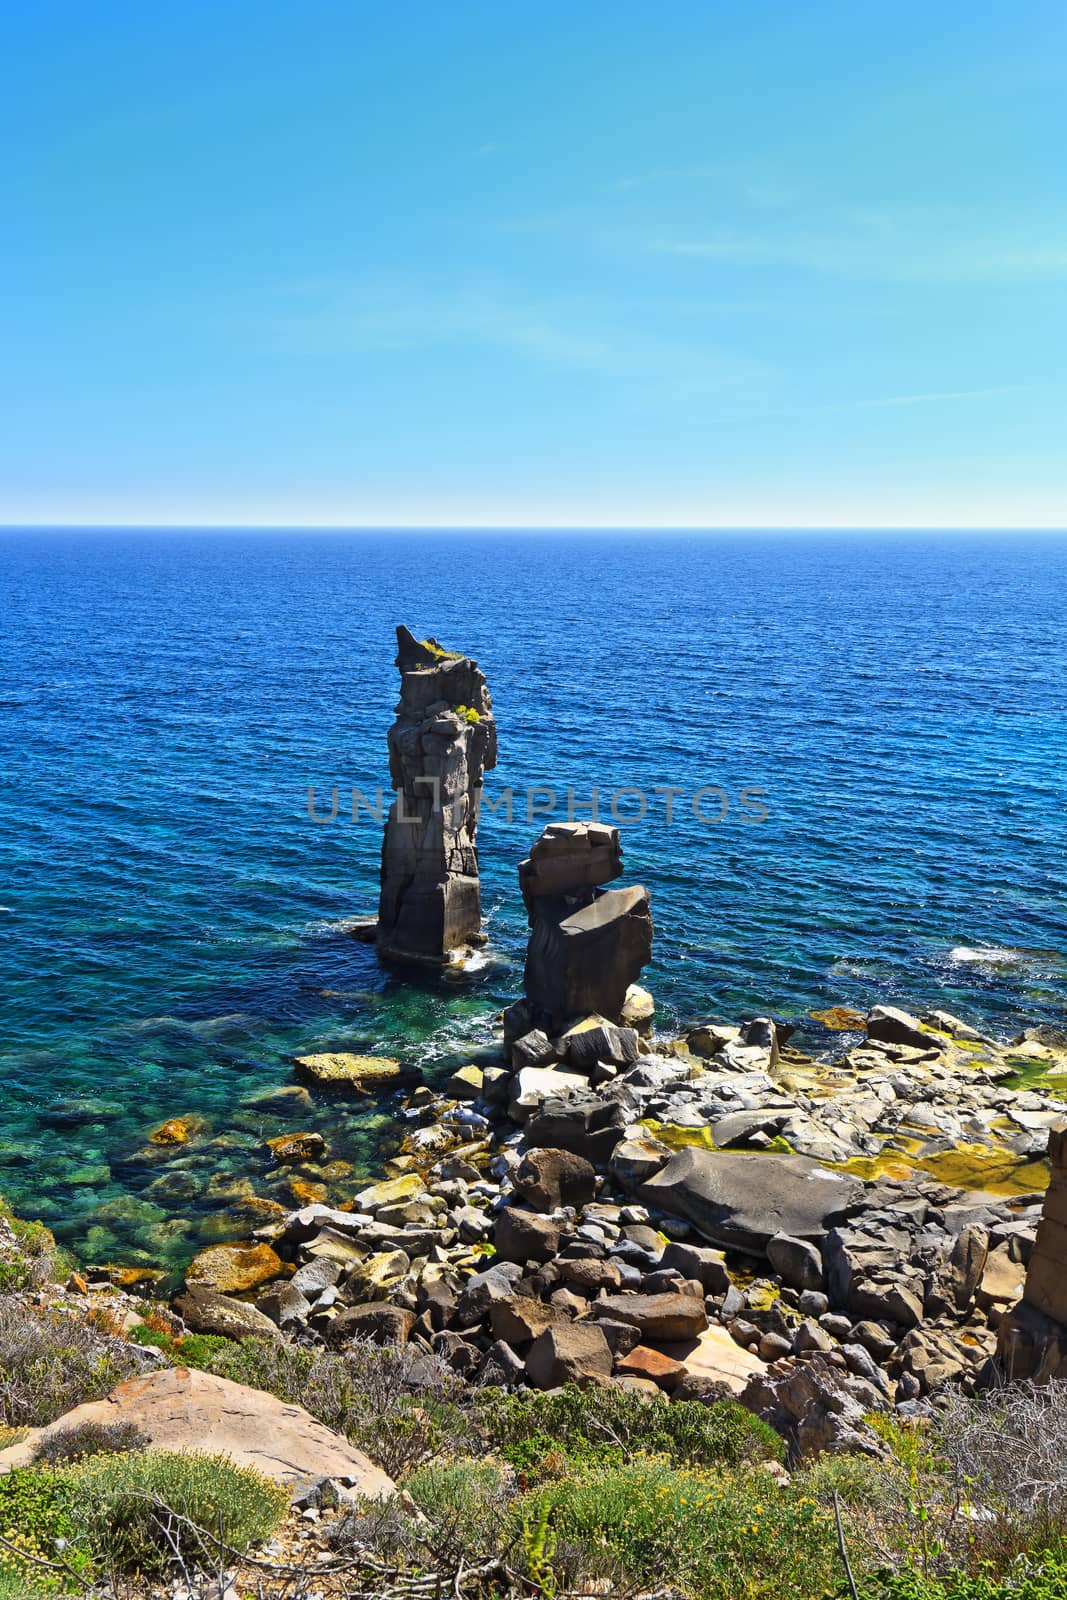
825, 1236
710, 1214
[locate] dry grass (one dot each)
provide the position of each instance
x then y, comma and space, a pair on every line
51, 1361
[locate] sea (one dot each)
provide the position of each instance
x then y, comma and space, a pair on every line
837, 761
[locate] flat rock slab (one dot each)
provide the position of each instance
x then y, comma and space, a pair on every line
658, 1316
741, 1201
344, 1072
714, 1355
181, 1409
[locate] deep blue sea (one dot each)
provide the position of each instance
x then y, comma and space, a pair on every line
173, 923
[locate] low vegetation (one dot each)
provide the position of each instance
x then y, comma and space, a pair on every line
128, 1513
505, 1495
51, 1361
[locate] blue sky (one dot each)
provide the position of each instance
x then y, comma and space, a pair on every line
466, 262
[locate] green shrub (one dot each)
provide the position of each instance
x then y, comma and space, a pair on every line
140, 1510
573, 1427
38, 1523
732, 1535
1041, 1577
90, 1439
13, 1275
466, 1493
21, 1586
187, 1349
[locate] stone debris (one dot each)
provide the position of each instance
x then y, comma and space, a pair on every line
714, 1214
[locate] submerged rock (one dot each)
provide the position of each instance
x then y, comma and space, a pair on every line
341, 1070
297, 1147
176, 1130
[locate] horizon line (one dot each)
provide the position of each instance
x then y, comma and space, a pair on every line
553, 526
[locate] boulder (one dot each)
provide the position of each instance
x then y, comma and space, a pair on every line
372, 1278
588, 1275
638, 1009
286, 1306
707, 1266
534, 1049
233, 1268
637, 1158
586, 1124
388, 1192
585, 960
379, 1321
457, 1352
181, 1409
644, 1362
945, 1022
518, 1319
479, 1293
673, 1316
314, 1276
762, 1034
796, 1261
711, 1037
502, 1368
204, 1311
547, 1179
714, 1364
889, 1025
532, 1086
572, 1352
525, 1235
596, 1041
176, 1130
747, 1128
741, 1201
466, 1083
621, 1336
817, 1408
966, 1264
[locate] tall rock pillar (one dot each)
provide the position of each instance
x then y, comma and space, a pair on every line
442, 742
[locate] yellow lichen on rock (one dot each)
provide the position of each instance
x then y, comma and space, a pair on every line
841, 1019
176, 1130
234, 1268
340, 1069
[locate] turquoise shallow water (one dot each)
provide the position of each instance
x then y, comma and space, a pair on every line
174, 923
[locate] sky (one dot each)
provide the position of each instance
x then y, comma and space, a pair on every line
471, 262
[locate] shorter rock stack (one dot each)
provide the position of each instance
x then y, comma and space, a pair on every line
1033, 1336
587, 945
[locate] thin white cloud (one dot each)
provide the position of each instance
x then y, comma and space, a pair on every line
372, 314
878, 250
935, 396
